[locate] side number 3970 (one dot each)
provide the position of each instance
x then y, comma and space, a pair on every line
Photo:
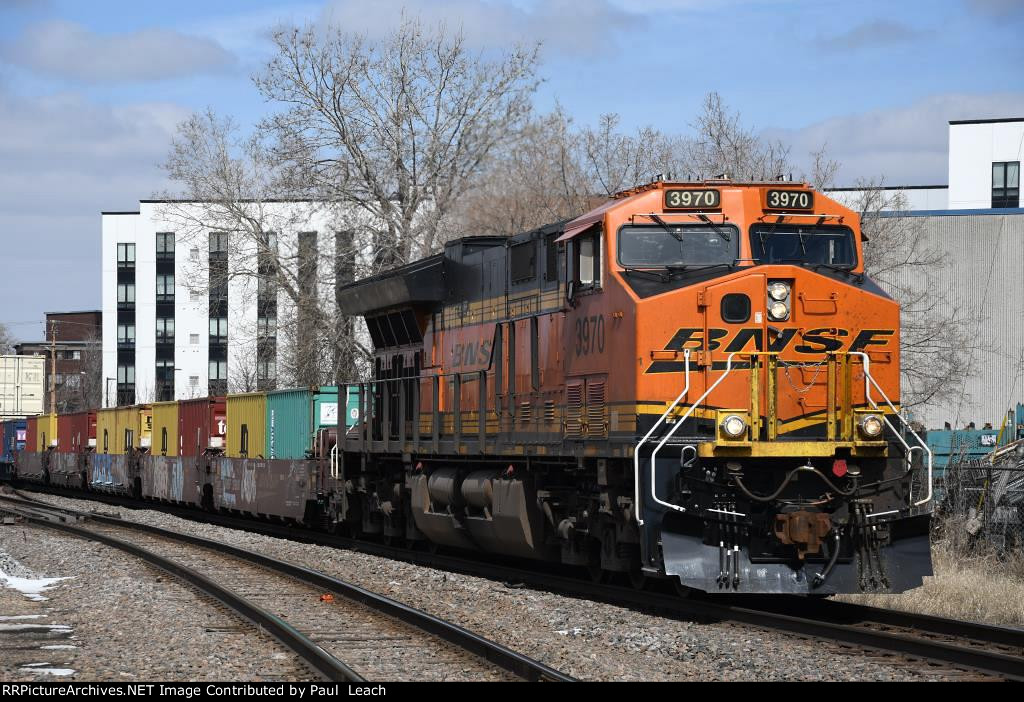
589, 335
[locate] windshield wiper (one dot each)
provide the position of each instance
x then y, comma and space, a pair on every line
660, 276
848, 269
707, 220
703, 267
664, 225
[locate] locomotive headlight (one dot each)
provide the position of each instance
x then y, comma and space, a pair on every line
871, 425
778, 291
733, 426
779, 311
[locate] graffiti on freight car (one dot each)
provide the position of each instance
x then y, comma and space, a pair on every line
167, 478
102, 473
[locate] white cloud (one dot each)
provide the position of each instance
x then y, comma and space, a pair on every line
563, 26
69, 50
66, 159
874, 33
906, 145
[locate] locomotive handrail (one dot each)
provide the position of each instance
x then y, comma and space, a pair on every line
868, 382
636, 450
675, 428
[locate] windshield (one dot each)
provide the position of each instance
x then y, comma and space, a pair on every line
789, 243
656, 246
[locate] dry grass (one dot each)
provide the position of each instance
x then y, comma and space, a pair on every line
977, 587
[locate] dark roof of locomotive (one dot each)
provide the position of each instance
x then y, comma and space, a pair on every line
419, 282
423, 282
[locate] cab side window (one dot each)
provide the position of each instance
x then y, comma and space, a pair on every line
588, 260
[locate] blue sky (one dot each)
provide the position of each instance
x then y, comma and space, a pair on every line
90, 92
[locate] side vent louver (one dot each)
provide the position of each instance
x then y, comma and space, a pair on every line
597, 427
574, 410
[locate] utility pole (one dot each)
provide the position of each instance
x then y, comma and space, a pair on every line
53, 366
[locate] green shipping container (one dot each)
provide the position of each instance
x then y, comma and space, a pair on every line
295, 416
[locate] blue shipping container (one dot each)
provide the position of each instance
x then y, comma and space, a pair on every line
13, 433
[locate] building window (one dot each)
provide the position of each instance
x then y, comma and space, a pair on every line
194, 253
165, 288
193, 381
1006, 184
164, 245
267, 370
193, 339
218, 370
219, 329
195, 296
126, 293
165, 329
266, 326
126, 375
126, 333
126, 255
218, 242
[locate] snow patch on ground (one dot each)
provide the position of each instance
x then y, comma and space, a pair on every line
41, 669
31, 588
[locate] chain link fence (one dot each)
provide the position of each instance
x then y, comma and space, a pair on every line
981, 512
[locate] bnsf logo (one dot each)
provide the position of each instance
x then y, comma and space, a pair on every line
814, 341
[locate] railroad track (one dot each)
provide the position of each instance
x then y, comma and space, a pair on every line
925, 640
341, 631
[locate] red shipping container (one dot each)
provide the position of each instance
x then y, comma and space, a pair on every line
202, 424
32, 434
76, 432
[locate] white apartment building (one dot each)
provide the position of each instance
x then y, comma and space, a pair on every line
187, 309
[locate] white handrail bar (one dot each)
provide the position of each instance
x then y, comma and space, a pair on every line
636, 449
675, 427
334, 461
868, 382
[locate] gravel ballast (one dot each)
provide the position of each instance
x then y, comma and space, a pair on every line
589, 640
115, 619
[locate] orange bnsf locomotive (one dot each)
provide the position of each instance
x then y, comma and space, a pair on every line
694, 380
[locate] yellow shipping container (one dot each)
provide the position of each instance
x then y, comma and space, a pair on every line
247, 422
46, 431
118, 428
165, 429
106, 430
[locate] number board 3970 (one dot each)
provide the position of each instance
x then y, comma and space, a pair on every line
788, 200
692, 199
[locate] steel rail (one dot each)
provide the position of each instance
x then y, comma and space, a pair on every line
516, 663
324, 664
772, 612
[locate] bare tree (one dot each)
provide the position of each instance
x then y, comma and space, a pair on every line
935, 336
7, 340
534, 179
614, 161
233, 186
398, 128
723, 147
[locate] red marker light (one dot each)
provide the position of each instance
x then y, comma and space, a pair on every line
839, 467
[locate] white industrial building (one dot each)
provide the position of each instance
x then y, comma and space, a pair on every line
976, 220
186, 309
